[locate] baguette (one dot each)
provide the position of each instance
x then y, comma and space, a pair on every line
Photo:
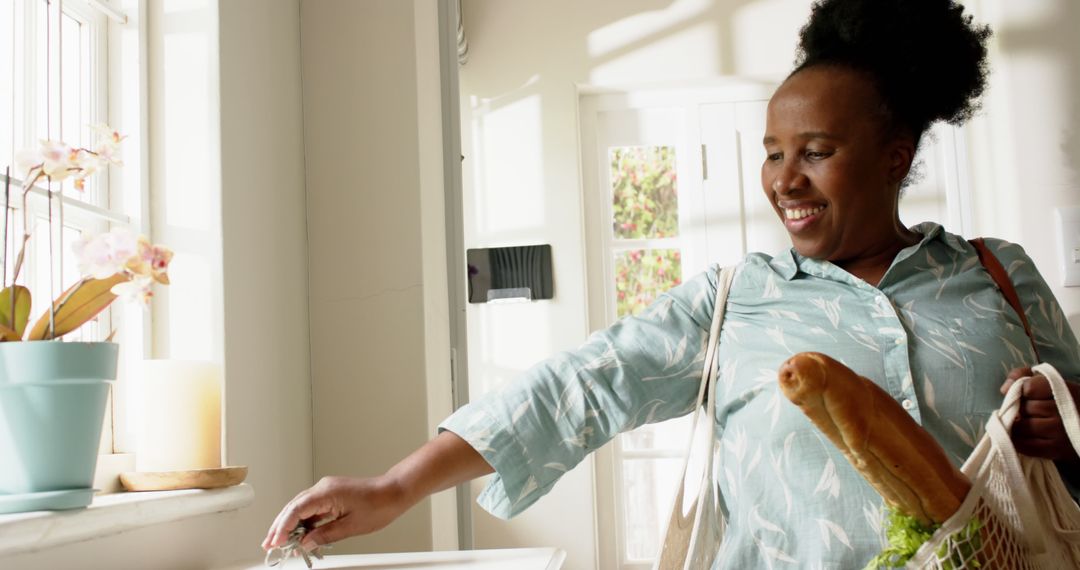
899, 458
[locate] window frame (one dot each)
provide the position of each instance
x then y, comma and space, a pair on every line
107, 73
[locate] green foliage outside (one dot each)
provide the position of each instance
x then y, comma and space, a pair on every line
641, 275
643, 182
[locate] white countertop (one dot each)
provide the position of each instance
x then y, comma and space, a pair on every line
516, 559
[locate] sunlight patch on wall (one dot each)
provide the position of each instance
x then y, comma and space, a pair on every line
509, 168
765, 35
511, 337
187, 113
191, 333
688, 54
174, 6
633, 29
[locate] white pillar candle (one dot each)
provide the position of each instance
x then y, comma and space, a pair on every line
180, 409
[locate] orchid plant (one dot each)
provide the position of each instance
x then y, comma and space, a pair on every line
113, 264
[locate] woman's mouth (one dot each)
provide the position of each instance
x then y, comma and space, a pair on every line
798, 219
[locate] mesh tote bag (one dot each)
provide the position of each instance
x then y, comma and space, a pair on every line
694, 531
1018, 514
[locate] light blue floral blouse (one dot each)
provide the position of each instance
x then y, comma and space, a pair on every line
935, 333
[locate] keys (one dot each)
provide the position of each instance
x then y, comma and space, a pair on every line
291, 548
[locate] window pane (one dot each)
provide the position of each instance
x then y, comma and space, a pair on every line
648, 487
645, 203
46, 287
7, 83
641, 275
44, 67
14, 240
671, 435
74, 98
71, 76
36, 268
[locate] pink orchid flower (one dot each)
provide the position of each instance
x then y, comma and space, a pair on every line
103, 255
138, 289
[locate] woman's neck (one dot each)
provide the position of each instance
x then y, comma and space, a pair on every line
872, 265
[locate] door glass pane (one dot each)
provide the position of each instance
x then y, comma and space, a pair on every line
641, 275
648, 487
670, 435
643, 183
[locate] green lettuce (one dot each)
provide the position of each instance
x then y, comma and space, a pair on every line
906, 534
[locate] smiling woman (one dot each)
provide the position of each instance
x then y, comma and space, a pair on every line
858, 284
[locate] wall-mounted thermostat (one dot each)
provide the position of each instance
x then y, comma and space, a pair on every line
510, 274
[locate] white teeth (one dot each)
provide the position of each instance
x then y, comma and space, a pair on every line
800, 213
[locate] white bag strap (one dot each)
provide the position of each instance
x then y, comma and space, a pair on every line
998, 429
707, 386
678, 534
1065, 403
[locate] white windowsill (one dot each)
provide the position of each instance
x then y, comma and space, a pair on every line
112, 514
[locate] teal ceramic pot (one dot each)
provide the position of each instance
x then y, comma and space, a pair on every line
52, 407
51, 361
50, 435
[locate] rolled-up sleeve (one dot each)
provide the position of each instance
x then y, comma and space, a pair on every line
640, 370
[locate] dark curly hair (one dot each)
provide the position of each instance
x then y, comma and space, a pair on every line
926, 57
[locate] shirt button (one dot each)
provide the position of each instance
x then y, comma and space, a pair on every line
907, 404
900, 341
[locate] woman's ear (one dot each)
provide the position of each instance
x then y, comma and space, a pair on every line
901, 154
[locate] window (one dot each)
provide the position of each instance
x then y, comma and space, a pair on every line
56, 74
671, 181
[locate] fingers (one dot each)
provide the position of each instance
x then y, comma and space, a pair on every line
1039, 409
1039, 428
1014, 375
306, 505
269, 541
1044, 436
1018, 373
328, 533
1037, 388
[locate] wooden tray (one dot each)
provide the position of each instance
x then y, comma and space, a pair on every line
191, 479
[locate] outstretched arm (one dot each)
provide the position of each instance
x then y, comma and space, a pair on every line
364, 505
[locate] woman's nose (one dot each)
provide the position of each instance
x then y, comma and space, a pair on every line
788, 180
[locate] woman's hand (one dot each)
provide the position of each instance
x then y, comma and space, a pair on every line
360, 506
1038, 430
354, 506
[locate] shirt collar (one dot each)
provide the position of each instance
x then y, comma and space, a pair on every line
789, 263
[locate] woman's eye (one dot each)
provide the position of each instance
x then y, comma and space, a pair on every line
816, 155
775, 156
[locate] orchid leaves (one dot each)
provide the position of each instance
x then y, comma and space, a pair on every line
82, 302
14, 312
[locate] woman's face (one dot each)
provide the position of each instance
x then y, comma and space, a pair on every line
830, 173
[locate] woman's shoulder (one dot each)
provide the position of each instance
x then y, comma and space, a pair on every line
1011, 255
1006, 251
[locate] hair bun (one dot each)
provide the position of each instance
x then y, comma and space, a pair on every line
927, 57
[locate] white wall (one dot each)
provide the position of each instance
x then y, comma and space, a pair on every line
1026, 144
522, 177
227, 137
379, 332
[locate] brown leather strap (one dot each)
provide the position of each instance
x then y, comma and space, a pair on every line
1001, 278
